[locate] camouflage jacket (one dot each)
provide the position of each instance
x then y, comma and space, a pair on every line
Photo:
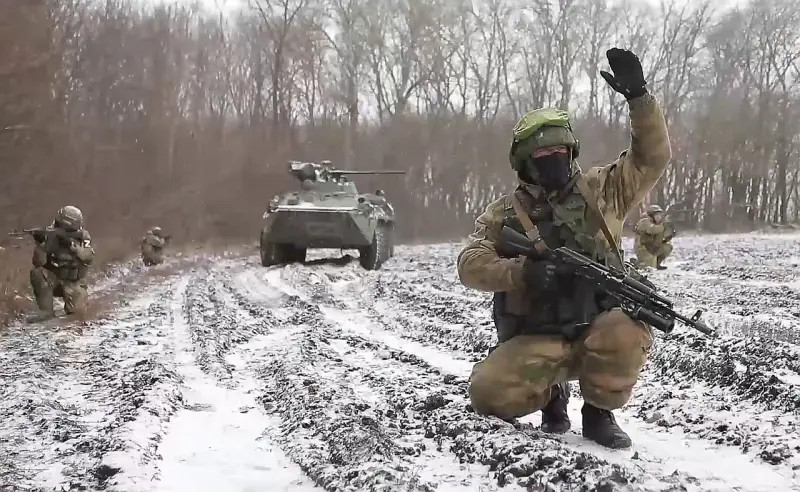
619, 187
153, 242
649, 234
69, 258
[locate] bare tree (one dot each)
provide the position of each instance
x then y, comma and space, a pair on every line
164, 111
278, 17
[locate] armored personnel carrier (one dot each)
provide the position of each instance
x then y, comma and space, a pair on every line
327, 212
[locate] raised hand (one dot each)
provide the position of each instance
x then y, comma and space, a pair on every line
628, 78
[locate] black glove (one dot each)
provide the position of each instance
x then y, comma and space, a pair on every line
628, 78
64, 238
39, 236
542, 275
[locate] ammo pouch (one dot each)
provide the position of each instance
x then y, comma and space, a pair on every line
69, 274
510, 325
650, 243
567, 315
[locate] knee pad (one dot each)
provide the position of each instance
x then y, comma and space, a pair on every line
615, 332
613, 353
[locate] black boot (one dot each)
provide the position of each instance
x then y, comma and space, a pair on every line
600, 426
555, 419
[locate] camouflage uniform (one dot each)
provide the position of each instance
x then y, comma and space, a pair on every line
534, 355
152, 247
652, 243
59, 269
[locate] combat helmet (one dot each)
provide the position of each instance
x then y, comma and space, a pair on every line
544, 127
156, 231
69, 218
654, 209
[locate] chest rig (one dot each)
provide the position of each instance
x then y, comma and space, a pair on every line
64, 263
561, 220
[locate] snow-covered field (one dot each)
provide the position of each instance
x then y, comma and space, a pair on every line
222, 375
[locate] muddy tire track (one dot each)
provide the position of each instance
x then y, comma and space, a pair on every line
410, 307
82, 400
412, 408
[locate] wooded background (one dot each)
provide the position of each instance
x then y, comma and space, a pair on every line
177, 115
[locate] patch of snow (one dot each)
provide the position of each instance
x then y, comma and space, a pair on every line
218, 440
221, 444
662, 452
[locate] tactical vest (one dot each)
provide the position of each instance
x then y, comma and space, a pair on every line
153, 243
65, 264
562, 222
649, 241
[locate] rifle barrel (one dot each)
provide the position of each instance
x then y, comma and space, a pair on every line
341, 171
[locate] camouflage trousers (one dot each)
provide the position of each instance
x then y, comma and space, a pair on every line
653, 256
47, 285
515, 379
152, 257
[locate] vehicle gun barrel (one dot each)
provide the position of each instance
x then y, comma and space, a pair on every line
343, 171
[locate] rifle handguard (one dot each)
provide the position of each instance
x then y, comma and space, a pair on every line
658, 322
633, 290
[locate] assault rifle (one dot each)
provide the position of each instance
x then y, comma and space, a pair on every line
638, 300
671, 232
38, 233
48, 235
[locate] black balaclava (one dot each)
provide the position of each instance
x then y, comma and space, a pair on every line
552, 171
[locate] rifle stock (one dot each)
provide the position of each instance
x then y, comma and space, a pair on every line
638, 299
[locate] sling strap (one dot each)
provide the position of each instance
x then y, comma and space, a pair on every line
533, 232
591, 200
530, 229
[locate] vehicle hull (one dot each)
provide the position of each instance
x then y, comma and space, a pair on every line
320, 227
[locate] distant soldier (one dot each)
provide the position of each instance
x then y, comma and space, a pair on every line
153, 246
653, 236
61, 260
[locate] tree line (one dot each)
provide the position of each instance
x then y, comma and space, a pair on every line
182, 116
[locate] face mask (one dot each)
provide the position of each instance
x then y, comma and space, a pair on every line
551, 171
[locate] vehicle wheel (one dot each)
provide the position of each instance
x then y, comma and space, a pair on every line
390, 241
374, 255
273, 254
296, 255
